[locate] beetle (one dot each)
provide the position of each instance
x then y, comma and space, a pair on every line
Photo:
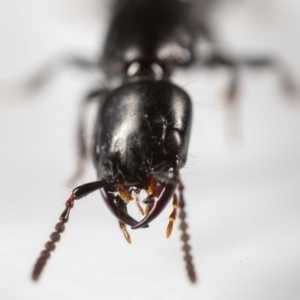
143, 125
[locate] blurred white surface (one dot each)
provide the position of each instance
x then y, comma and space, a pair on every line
243, 196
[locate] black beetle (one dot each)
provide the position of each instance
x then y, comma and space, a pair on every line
142, 131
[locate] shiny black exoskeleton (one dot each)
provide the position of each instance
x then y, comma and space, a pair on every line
148, 134
143, 125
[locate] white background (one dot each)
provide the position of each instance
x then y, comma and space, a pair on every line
243, 194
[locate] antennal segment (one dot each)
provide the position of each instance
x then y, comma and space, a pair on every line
77, 193
185, 237
45, 254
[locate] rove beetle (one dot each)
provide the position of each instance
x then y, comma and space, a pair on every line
143, 125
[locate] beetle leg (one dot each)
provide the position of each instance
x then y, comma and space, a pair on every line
286, 79
231, 93
54, 67
233, 114
234, 66
172, 216
125, 232
219, 60
83, 148
231, 99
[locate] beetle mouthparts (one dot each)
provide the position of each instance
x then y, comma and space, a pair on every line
157, 201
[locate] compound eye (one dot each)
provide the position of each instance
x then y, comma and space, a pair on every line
174, 141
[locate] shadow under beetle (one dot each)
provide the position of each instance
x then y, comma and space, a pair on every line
142, 130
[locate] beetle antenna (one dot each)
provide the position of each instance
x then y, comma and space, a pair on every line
54, 238
78, 193
45, 254
185, 237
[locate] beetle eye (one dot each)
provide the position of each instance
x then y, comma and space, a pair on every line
174, 142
